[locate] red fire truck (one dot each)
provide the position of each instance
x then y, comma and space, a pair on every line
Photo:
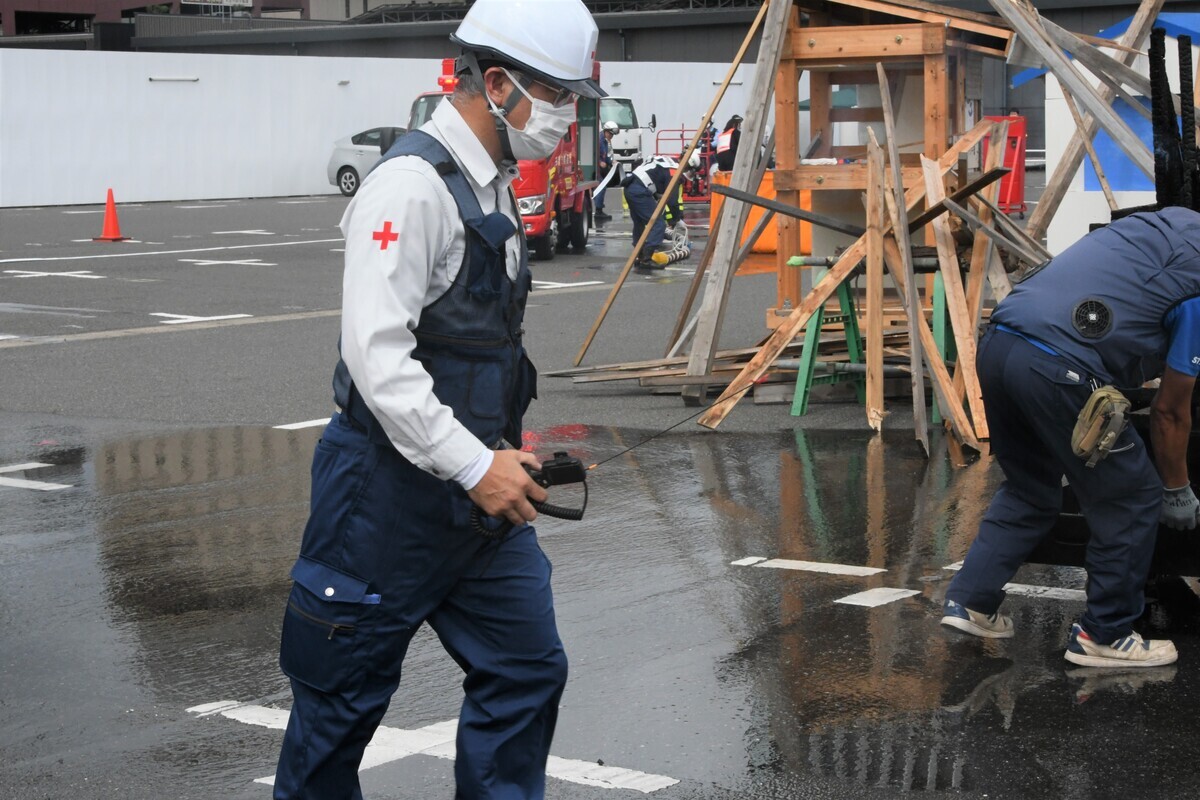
554, 196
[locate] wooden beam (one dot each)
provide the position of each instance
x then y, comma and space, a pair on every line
842, 43
1098, 63
1058, 183
712, 309
867, 114
934, 14
832, 176
1108, 119
788, 288
988, 178
900, 231
1003, 241
983, 251
943, 385
612, 296
782, 336
867, 77
874, 299
937, 115
1011, 229
820, 112
956, 301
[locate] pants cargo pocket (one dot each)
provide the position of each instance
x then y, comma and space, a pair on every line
323, 626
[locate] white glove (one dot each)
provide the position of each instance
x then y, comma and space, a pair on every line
1180, 508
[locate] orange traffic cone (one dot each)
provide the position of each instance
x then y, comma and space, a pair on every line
112, 228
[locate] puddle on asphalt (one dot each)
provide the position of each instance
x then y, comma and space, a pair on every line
194, 532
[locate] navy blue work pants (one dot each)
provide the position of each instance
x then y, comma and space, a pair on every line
641, 206
388, 547
1032, 400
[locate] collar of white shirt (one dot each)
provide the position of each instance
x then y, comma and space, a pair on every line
465, 146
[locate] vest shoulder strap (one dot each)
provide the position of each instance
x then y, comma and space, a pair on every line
422, 145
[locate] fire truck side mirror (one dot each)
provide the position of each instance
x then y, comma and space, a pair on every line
653, 121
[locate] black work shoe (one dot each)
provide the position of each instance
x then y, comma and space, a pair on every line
600, 216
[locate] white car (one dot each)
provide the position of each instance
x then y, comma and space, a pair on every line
354, 156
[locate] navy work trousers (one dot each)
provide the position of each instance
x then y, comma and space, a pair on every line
1032, 400
641, 206
388, 547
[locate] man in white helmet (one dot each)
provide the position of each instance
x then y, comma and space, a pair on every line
604, 165
432, 380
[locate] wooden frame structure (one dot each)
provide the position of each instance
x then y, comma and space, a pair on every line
839, 42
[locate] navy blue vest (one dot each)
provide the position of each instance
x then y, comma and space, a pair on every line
1138, 268
469, 339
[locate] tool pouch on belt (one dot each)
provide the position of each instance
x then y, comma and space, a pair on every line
1100, 423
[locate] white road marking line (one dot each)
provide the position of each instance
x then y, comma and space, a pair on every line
21, 483
1031, 590
168, 252
257, 232
337, 250
206, 205
747, 562
817, 566
295, 426
1049, 592
8, 336
96, 211
555, 285
298, 202
79, 273
183, 319
876, 597
245, 262
392, 744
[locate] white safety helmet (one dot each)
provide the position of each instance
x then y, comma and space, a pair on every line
693, 162
554, 41
611, 125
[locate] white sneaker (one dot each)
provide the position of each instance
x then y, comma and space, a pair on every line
1128, 651
994, 626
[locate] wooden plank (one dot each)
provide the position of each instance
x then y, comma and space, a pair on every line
900, 232
874, 300
867, 77
1000, 239
612, 296
833, 176
820, 109
942, 14
937, 114
1092, 155
956, 302
1098, 63
1031, 34
943, 385
712, 309
988, 178
841, 43
1060, 181
934, 14
983, 251
788, 288
783, 335
866, 114
1011, 229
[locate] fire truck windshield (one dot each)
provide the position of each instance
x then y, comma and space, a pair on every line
422, 109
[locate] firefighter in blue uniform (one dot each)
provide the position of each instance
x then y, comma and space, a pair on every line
1118, 308
643, 188
433, 379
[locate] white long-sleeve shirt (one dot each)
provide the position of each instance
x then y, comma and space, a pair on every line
405, 243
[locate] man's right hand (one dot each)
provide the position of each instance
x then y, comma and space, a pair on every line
1180, 508
506, 488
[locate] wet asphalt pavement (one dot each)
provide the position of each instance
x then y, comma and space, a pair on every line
141, 604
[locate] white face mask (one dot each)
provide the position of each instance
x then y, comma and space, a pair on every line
546, 126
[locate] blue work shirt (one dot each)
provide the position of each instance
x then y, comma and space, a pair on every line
1183, 327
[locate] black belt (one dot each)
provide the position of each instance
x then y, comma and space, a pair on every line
357, 414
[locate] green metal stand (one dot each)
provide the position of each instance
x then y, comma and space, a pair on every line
807, 377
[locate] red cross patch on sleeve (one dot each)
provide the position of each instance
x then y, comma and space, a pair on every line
386, 236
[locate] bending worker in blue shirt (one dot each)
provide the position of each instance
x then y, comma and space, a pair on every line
1119, 307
